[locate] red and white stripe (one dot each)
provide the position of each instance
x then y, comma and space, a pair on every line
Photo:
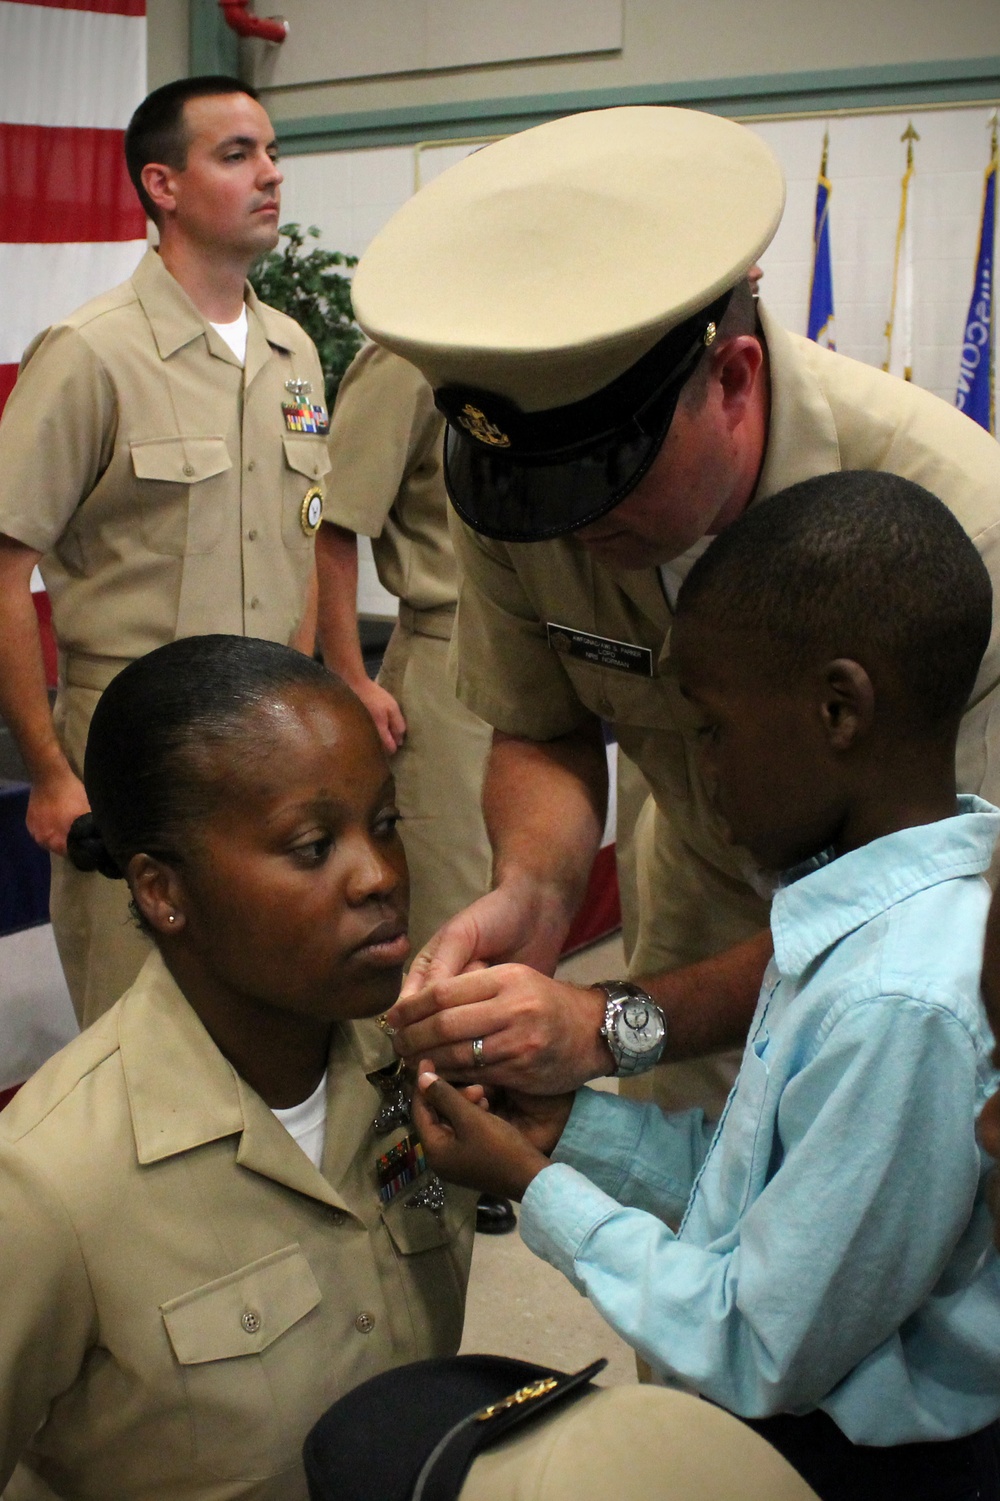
71, 73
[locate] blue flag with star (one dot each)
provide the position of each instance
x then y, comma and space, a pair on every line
821, 291
975, 395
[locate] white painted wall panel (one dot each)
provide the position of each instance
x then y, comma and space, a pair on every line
330, 40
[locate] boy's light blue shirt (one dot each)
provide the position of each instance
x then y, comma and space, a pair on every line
835, 1245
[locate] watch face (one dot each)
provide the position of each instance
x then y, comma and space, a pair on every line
640, 1027
635, 1015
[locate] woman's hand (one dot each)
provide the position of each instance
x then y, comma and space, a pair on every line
498, 1153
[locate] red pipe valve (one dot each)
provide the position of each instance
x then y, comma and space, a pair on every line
239, 19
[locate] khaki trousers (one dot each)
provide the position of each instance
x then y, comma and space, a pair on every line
100, 947
439, 775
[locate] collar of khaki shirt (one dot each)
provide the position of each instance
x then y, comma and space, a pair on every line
802, 435
176, 322
183, 1093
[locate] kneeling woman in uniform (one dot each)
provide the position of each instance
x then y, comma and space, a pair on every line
213, 1219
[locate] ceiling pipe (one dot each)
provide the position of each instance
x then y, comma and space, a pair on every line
244, 24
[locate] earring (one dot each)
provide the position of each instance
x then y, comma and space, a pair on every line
171, 917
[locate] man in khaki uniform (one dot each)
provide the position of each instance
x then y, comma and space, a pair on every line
161, 460
620, 402
134, 1360
386, 482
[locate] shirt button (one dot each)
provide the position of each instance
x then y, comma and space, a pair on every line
252, 464
364, 1323
252, 534
189, 470
250, 1320
255, 603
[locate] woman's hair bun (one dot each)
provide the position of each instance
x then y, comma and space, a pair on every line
86, 848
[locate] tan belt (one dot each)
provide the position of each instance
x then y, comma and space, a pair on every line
439, 621
81, 671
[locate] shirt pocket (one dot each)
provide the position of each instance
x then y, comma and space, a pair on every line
307, 461
433, 1252
645, 715
231, 1338
181, 496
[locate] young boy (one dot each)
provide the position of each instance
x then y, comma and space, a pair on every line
832, 1260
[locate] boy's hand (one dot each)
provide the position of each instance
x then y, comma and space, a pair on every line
471, 1146
540, 1118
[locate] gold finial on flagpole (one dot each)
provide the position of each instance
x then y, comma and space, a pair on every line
826, 146
991, 126
909, 136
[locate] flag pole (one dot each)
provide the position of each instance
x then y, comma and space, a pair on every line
903, 261
820, 327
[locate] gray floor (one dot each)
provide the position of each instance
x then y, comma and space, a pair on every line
519, 1306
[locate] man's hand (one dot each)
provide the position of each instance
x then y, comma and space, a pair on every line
337, 621
540, 1036
384, 710
54, 802
518, 922
473, 1147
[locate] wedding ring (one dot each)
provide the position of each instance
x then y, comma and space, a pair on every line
478, 1061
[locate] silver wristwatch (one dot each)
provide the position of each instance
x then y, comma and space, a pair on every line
635, 1028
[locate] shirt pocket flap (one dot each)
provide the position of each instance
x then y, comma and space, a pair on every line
412, 1228
243, 1313
308, 456
182, 460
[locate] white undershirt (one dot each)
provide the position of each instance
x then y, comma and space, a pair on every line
306, 1123
235, 334
672, 575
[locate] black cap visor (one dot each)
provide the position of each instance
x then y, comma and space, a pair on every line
520, 477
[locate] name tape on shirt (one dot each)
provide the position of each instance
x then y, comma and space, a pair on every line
303, 417
600, 651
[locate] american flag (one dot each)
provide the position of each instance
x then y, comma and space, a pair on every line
71, 73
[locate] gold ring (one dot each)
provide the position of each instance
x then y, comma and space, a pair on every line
478, 1061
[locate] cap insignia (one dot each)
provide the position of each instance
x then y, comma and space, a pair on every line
529, 1393
479, 425
708, 337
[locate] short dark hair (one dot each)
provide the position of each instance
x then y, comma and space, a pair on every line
156, 131
146, 771
856, 564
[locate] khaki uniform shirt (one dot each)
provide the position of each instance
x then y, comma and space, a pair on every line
386, 481
827, 413
386, 478
185, 1293
157, 475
